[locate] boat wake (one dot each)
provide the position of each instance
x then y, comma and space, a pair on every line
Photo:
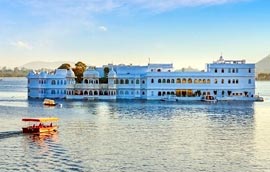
9, 134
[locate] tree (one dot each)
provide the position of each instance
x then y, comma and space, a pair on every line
80, 67
64, 66
106, 72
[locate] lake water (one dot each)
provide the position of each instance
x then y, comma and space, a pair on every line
136, 135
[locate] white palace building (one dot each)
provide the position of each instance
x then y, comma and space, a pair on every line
223, 79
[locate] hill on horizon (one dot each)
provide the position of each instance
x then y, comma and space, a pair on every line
35, 65
263, 66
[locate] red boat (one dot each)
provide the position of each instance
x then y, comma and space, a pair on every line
40, 125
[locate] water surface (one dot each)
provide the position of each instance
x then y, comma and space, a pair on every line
136, 135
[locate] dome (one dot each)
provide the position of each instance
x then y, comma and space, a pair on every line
32, 73
112, 74
90, 73
70, 74
43, 74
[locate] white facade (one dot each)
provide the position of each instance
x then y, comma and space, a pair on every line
224, 79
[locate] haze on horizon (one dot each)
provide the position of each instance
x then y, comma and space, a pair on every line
182, 32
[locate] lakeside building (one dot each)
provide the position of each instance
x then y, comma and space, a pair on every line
223, 79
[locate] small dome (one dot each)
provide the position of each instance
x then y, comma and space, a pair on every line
112, 74
70, 74
43, 74
31, 73
90, 73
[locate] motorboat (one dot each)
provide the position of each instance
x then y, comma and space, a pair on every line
49, 102
40, 125
209, 98
169, 99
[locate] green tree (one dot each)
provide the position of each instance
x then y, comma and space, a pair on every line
106, 72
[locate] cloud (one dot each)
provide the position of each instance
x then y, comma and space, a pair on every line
91, 7
22, 45
102, 28
167, 5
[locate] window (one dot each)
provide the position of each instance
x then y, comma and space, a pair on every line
229, 70
184, 80
216, 81
172, 81
215, 70
137, 81
143, 82
222, 70
159, 93
208, 81
229, 81
159, 80
178, 80
249, 70
249, 81
236, 81
189, 80
168, 81
121, 81
126, 82
163, 80
222, 81
159, 70
53, 82
233, 70
152, 80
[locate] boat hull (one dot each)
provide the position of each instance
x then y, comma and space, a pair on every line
39, 130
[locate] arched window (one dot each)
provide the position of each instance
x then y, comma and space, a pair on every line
215, 70
85, 93
86, 81
222, 70
168, 81
204, 81
121, 81
152, 80
143, 82
208, 81
172, 81
189, 80
163, 80
159, 80
233, 81
116, 81
137, 81
222, 81
184, 80
195, 81
216, 81
159, 93
53, 82
236, 81
229, 81
178, 80
126, 82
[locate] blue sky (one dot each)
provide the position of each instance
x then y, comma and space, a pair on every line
182, 32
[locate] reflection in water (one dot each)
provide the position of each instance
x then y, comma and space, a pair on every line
128, 135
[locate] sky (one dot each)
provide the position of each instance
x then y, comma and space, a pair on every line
96, 32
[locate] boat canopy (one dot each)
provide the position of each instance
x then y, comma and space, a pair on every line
52, 119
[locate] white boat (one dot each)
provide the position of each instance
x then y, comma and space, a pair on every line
259, 99
170, 99
209, 98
